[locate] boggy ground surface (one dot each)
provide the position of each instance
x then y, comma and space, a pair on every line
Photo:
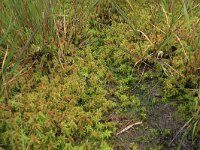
159, 129
157, 132
108, 78
97, 94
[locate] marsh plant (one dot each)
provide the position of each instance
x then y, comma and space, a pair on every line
68, 66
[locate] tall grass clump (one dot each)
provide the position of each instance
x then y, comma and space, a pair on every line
30, 28
21, 21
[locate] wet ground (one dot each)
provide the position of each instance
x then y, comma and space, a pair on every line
157, 131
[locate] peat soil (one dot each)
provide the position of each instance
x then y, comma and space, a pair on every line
158, 131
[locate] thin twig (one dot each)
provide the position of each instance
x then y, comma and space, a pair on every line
140, 77
174, 69
3, 75
128, 127
27, 148
20, 73
143, 59
167, 18
181, 129
61, 48
182, 46
144, 35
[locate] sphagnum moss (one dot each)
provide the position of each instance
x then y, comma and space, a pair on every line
71, 66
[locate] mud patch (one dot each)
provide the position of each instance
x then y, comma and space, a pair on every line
156, 132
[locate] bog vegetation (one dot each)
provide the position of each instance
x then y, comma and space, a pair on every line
74, 71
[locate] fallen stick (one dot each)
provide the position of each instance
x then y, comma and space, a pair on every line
128, 127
